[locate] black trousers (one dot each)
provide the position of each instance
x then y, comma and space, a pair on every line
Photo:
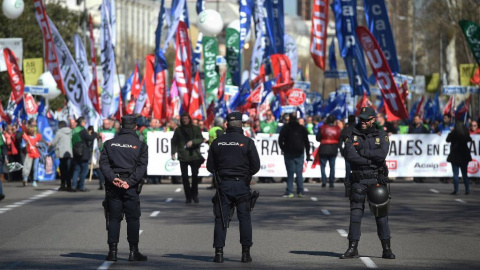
357, 208
190, 191
65, 176
128, 201
230, 194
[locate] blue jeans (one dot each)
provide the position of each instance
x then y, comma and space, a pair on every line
323, 164
463, 168
294, 165
80, 171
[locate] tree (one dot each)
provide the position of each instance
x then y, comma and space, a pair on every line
26, 27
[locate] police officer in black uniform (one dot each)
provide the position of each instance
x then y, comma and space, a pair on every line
235, 159
124, 162
366, 149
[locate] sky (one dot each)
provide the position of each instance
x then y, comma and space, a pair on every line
290, 7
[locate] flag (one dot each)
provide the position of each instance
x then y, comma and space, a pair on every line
463, 108
279, 25
257, 55
135, 86
318, 32
417, 108
212, 80
450, 107
471, 31
81, 58
393, 100
363, 102
107, 58
432, 109
246, 9
160, 97
232, 39
476, 77
177, 12
126, 90
210, 115
240, 98
195, 108
93, 88
292, 54
142, 97
3, 115
44, 128
337, 106
379, 25
183, 66
332, 60
15, 75
49, 53
200, 6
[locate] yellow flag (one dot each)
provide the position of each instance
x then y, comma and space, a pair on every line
32, 69
432, 82
466, 72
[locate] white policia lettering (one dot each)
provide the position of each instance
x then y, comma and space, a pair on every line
124, 145
228, 144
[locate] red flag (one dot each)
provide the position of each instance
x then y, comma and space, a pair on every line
465, 108
93, 88
210, 115
3, 115
450, 107
183, 66
159, 97
281, 70
195, 99
50, 54
318, 32
119, 113
476, 77
316, 158
363, 102
383, 74
31, 106
15, 75
419, 111
404, 91
259, 79
149, 79
147, 108
136, 84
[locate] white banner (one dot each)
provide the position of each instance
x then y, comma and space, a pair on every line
75, 87
107, 58
81, 58
410, 156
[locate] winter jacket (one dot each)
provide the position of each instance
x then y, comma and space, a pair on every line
62, 143
293, 139
181, 136
459, 151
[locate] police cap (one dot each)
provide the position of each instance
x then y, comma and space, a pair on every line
129, 121
367, 112
234, 116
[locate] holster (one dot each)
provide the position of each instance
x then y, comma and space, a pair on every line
253, 200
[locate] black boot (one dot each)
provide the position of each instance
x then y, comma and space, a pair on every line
387, 252
218, 255
246, 254
135, 255
112, 252
352, 251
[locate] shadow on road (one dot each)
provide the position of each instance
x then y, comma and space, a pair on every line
190, 257
100, 257
316, 253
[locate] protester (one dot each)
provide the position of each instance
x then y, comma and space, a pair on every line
309, 125
81, 154
417, 126
186, 143
384, 125
473, 128
31, 139
62, 143
269, 125
447, 125
293, 140
13, 142
459, 155
328, 136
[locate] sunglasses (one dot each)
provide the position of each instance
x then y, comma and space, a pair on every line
366, 120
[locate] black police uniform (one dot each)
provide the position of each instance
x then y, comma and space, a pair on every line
124, 157
235, 158
366, 150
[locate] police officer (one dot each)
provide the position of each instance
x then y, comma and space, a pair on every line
235, 159
123, 162
366, 149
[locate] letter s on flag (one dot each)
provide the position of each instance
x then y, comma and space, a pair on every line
318, 33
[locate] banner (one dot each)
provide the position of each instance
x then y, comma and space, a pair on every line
142, 97
384, 76
107, 58
318, 32
292, 54
257, 55
183, 66
50, 52
76, 89
159, 101
246, 9
471, 31
14, 44
81, 58
15, 75
46, 165
379, 25
466, 73
279, 25
232, 39
195, 108
212, 80
93, 88
32, 69
177, 12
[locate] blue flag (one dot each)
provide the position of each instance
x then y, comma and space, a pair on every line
44, 128
337, 105
279, 23
332, 61
246, 9
378, 23
221, 106
270, 47
200, 6
276, 107
432, 109
241, 96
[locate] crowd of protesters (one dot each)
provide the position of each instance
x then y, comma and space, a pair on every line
74, 143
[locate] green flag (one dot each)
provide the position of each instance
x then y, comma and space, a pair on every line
471, 31
232, 39
212, 80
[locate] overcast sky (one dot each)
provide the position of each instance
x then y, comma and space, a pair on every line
290, 7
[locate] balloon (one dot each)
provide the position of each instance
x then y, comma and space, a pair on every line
47, 80
235, 24
210, 22
12, 9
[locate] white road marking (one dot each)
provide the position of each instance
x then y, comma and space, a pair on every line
169, 200
368, 262
178, 190
457, 200
342, 232
31, 199
12, 206
434, 190
20, 203
154, 213
314, 199
305, 190
325, 212
140, 232
105, 265
5, 209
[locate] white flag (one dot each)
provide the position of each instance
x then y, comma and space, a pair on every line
292, 54
75, 87
178, 14
257, 55
81, 58
107, 58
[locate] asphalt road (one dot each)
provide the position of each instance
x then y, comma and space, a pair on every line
41, 228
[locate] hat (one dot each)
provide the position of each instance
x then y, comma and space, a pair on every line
129, 121
366, 112
234, 116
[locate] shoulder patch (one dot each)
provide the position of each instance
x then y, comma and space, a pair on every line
355, 138
346, 139
386, 138
377, 140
